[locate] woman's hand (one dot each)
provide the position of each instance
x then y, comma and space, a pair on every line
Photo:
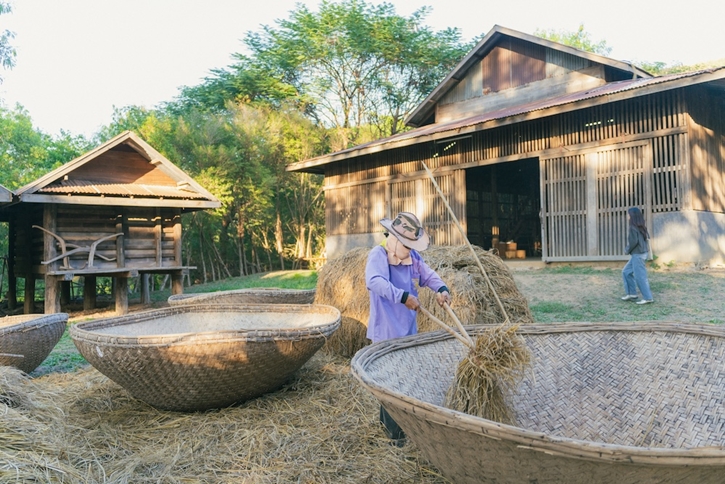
443, 297
412, 302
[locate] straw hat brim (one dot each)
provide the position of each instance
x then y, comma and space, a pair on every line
419, 244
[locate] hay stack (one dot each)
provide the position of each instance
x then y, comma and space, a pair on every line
341, 283
473, 300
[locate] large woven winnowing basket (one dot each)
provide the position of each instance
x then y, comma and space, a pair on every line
27, 340
259, 295
196, 357
606, 402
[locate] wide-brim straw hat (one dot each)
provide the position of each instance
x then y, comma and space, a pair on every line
408, 230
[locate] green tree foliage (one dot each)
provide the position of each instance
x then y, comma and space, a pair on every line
27, 153
314, 82
350, 66
579, 39
268, 217
7, 51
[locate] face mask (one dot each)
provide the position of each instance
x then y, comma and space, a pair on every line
397, 252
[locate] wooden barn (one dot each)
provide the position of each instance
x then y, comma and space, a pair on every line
112, 212
545, 147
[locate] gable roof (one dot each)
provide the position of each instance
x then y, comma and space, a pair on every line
491, 40
610, 92
122, 171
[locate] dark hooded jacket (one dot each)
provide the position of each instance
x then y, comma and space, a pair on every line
636, 242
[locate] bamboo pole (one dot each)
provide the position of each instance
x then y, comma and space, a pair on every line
458, 323
463, 234
463, 337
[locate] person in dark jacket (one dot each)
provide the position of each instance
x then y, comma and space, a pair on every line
634, 272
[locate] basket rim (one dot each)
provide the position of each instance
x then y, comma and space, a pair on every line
32, 323
558, 445
248, 290
84, 332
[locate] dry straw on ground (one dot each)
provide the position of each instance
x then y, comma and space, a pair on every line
80, 427
341, 283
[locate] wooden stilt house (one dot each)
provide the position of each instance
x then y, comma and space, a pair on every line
545, 146
112, 212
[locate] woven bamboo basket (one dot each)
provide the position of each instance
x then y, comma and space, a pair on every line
197, 357
607, 402
27, 340
259, 295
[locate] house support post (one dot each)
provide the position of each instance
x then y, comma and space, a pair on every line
120, 289
177, 282
29, 305
145, 290
53, 292
12, 280
89, 292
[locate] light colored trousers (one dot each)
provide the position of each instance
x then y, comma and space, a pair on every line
635, 276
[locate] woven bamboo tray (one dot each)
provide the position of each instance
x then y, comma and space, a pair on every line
27, 340
196, 357
606, 402
259, 295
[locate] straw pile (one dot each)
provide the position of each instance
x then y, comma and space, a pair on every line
341, 283
488, 376
473, 299
82, 428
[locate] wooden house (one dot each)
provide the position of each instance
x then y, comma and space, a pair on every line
546, 146
112, 212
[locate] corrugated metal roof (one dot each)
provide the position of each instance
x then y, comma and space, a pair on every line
456, 126
83, 187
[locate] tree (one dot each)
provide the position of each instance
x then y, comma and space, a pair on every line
7, 51
348, 66
27, 153
579, 39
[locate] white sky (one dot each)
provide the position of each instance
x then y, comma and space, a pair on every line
77, 59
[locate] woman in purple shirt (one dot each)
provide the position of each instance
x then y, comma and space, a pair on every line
392, 271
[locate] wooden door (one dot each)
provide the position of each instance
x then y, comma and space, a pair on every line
585, 197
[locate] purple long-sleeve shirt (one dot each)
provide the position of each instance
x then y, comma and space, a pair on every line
389, 318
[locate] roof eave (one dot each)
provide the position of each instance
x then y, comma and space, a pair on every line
119, 201
385, 144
